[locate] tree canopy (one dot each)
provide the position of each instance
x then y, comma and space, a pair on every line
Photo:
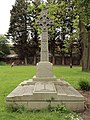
4, 47
20, 30
71, 19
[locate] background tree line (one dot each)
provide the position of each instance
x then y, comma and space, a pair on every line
69, 34
4, 47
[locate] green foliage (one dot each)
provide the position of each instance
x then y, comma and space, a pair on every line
2, 63
84, 85
16, 109
23, 15
66, 20
22, 30
69, 115
4, 47
58, 109
85, 4
61, 108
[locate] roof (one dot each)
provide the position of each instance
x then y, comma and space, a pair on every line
12, 56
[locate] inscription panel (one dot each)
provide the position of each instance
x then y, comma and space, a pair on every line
44, 87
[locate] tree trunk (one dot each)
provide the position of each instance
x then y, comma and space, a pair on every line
85, 40
71, 62
35, 59
63, 60
25, 60
88, 67
71, 57
86, 52
53, 60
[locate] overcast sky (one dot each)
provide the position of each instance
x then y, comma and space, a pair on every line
5, 7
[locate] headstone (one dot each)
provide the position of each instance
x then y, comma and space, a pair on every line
35, 93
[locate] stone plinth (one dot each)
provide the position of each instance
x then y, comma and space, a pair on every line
36, 95
44, 72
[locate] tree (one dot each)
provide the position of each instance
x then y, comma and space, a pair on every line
84, 22
22, 31
65, 23
67, 14
4, 47
55, 40
33, 10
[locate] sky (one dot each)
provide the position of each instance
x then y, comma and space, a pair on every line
5, 7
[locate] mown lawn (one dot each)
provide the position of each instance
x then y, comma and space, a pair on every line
11, 77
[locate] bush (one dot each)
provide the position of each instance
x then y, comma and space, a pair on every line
84, 85
2, 63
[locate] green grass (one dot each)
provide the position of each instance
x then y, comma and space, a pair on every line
11, 77
72, 75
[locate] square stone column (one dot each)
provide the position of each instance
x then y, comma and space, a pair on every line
44, 72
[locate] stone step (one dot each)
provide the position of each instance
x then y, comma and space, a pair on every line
60, 91
21, 91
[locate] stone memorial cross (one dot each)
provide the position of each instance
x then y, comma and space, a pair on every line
44, 22
34, 93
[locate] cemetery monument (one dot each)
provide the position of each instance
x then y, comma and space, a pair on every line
36, 92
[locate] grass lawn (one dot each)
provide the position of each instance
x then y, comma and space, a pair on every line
11, 77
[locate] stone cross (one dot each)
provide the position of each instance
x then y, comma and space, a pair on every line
44, 22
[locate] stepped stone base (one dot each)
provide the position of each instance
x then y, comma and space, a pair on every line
36, 95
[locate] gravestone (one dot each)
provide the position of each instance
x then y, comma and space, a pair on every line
38, 91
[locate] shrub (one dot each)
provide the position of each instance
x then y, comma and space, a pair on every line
61, 109
58, 109
84, 85
2, 63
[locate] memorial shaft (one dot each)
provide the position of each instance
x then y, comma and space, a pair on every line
44, 22
44, 46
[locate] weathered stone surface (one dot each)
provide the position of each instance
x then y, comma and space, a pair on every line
44, 87
44, 72
37, 95
74, 106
